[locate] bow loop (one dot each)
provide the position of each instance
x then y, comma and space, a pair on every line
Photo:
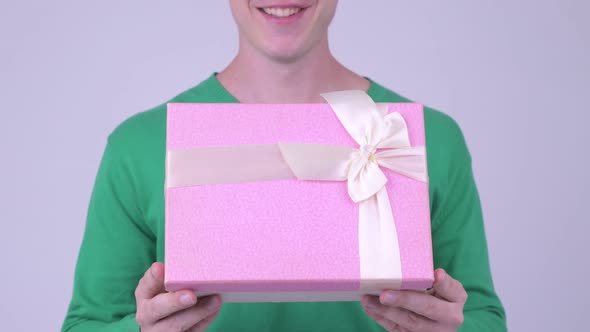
393, 132
373, 130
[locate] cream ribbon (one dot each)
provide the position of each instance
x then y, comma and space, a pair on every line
373, 128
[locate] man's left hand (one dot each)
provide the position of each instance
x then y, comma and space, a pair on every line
440, 309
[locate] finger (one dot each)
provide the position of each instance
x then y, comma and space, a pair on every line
421, 303
186, 319
387, 324
204, 324
448, 288
152, 282
165, 304
409, 320
384, 322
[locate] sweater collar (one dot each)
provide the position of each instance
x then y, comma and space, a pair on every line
214, 87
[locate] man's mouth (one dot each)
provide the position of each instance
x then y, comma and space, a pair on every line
281, 12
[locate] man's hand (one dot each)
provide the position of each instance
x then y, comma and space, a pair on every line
158, 310
440, 309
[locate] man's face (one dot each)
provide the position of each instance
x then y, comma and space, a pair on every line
283, 29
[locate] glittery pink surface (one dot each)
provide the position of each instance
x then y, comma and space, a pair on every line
287, 235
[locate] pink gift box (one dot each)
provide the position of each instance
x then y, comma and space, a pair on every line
288, 239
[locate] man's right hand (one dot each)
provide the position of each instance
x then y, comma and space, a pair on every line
158, 310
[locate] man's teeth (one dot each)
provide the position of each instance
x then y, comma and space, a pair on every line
281, 12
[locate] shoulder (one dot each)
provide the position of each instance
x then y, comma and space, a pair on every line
444, 136
136, 150
140, 128
149, 126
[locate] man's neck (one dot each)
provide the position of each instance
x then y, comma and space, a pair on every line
254, 78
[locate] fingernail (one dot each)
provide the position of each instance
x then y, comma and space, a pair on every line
390, 298
154, 271
186, 299
441, 275
214, 303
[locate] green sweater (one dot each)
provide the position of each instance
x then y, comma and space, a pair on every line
124, 232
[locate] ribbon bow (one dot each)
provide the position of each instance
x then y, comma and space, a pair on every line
372, 128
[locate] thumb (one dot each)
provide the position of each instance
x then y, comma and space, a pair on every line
152, 282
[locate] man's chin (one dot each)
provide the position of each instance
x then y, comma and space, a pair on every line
284, 54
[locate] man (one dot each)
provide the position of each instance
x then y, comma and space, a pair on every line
283, 57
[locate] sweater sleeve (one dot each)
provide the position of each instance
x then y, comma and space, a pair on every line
459, 241
117, 248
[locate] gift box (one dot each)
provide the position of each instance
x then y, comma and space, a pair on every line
297, 202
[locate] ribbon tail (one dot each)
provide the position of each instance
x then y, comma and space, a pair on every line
380, 259
364, 180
